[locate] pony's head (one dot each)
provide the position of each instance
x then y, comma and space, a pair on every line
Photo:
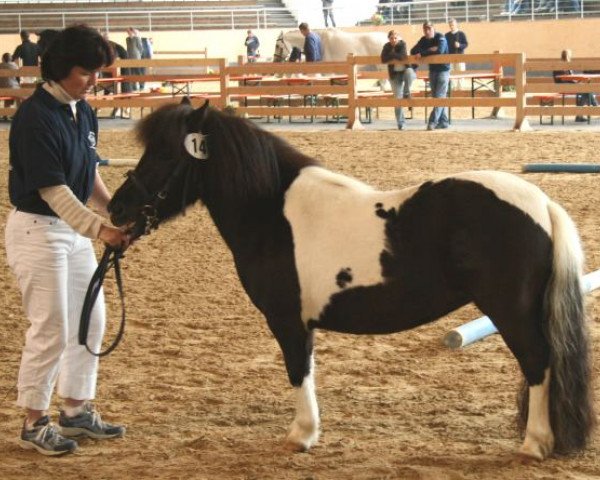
225, 161
282, 49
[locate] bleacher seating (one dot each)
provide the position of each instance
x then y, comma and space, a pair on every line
175, 15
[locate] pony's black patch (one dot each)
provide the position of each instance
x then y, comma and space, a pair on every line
425, 185
344, 277
382, 212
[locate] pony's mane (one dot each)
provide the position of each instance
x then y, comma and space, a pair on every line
164, 128
244, 161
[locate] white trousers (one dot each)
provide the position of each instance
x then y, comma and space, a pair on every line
53, 265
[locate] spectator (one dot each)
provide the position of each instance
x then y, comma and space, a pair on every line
384, 10
521, 6
8, 82
457, 43
28, 52
252, 45
134, 52
147, 47
8, 64
328, 12
313, 50
432, 43
581, 99
120, 52
401, 76
53, 173
147, 53
592, 96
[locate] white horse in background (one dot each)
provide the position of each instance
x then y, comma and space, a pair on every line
337, 44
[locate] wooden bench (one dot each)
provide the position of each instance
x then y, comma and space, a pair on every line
551, 100
547, 101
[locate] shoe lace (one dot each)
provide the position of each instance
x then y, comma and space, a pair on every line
48, 435
96, 418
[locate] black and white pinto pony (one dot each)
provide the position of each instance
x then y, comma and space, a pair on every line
317, 249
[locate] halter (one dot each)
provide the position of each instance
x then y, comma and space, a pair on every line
149, 210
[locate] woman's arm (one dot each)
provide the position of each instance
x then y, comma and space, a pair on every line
100, 195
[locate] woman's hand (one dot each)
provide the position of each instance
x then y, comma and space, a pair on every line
114, 237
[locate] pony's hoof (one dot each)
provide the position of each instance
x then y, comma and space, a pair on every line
534, 451
526, 459
295, 447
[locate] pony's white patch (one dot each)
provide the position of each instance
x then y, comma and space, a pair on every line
304, 431
195, 145
516, 191
335, 227
539, 440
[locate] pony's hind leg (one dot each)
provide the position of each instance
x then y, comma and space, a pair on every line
539, 439
525, 339
296, 343
521, 328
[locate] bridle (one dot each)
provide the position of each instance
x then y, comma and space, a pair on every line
151, 202
111, 257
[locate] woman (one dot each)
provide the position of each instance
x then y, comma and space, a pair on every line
52, 175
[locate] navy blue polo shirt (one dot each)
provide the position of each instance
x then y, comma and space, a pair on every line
48, 148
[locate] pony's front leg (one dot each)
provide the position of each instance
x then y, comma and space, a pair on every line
304, 431
296, 343
539, 439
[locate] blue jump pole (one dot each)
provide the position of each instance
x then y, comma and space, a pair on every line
482, 327
562, 167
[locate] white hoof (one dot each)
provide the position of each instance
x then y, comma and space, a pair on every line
537, 448
301, 438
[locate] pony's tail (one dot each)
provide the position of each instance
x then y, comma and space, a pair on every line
571, 407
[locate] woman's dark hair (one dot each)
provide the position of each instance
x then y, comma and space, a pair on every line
77, 46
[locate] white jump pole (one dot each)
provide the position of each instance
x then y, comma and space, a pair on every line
482, 327
119, 162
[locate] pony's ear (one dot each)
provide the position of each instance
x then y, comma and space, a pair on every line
196, 117
186, 101
203, 107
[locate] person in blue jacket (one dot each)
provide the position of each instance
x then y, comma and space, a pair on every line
252, 45
52, 175
313, 50
432, 43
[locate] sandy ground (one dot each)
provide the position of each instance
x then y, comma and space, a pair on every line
200, 381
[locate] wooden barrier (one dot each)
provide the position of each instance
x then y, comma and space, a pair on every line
330, 89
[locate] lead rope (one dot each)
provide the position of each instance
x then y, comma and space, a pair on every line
110, 259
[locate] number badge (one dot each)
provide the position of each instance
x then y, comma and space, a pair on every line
195, 145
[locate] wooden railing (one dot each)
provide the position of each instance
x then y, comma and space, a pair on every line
334, 89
